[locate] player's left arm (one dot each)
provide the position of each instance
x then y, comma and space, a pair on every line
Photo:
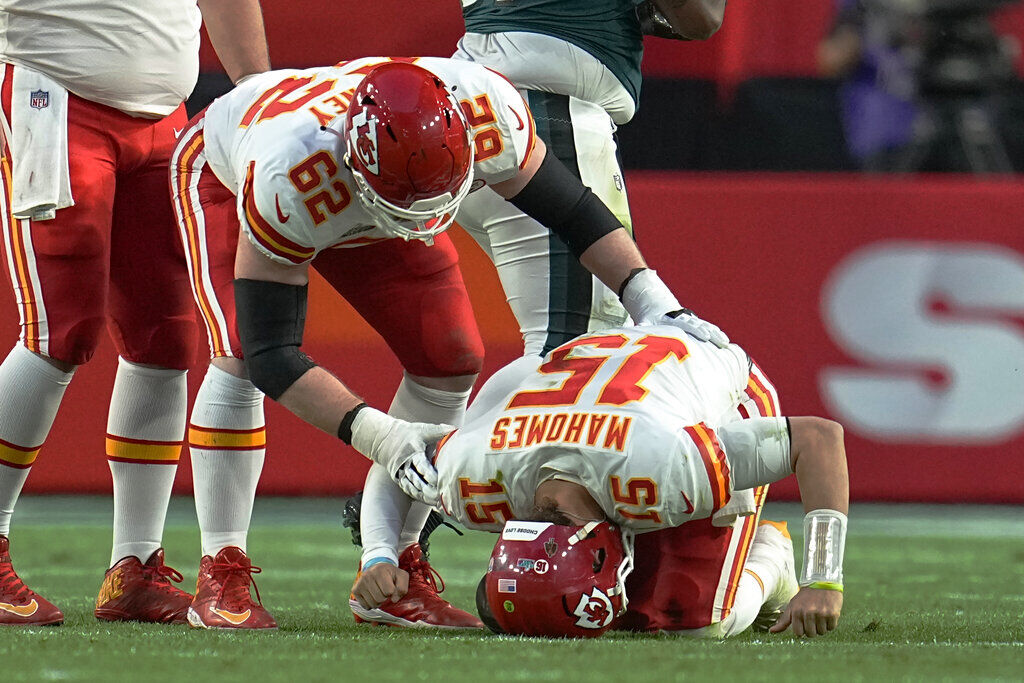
764, 450
236, 31
270, 300
545, 190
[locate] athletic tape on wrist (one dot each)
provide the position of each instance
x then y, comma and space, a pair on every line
345, 428
824, 545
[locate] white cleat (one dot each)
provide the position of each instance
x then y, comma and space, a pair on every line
773, 545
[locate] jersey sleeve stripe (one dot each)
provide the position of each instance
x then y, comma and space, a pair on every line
765, 385
759, 397
533, 139
529, 116
440, 444
714, 462
269, 238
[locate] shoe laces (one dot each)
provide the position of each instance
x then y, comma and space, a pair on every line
12, 587
236, 580
161, 576
422, 574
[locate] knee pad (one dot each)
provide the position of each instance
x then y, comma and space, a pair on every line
78, 344
170, 344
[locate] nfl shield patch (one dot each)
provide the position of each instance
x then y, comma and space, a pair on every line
39, 99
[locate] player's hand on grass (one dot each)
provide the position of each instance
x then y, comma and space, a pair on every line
418, 479
811, 612
390, 442
687, 321
380, 583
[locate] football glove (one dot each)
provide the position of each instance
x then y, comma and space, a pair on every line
688, 322
654, 23
650, 302
417, 477
391, 442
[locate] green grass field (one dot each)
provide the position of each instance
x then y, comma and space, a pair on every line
932, 593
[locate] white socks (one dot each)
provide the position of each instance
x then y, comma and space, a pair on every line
227, 441
145, 429
30, 393
417, 403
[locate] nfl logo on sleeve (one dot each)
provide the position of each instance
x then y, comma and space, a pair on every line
39, 99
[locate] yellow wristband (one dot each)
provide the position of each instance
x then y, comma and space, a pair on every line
826, 586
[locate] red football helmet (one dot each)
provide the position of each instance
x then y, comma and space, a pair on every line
409, 147
556, 581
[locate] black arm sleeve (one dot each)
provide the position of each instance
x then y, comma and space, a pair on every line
271, 317
556, 198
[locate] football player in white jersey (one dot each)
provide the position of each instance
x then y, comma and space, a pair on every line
312, 164
637, 427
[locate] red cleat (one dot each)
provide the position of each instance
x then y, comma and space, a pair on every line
222, 597
133, 591
421, 607
19, 604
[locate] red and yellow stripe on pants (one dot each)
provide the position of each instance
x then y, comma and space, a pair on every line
188, 167
142, 451
227, 439
743, 536
18, 457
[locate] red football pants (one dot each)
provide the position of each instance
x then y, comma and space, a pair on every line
114, 257
686, 577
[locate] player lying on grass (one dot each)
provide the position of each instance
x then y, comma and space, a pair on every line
634, 428
327, 168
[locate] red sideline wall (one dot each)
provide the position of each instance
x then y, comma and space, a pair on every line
893, 305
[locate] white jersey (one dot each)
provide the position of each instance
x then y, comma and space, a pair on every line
626, 413
266, 141
141, 57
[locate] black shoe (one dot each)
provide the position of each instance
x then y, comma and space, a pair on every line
350, 520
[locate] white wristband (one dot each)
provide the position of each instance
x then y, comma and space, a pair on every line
646, 298
824, 545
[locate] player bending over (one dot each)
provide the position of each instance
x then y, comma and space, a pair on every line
326, 167
635, 428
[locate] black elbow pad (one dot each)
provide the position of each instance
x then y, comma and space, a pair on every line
557, 199
271, 317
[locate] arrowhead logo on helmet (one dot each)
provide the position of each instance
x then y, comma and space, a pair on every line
364, 141
594, 610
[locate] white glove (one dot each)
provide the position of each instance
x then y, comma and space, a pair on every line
650, 302
418, 479
391, 442
688, 322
